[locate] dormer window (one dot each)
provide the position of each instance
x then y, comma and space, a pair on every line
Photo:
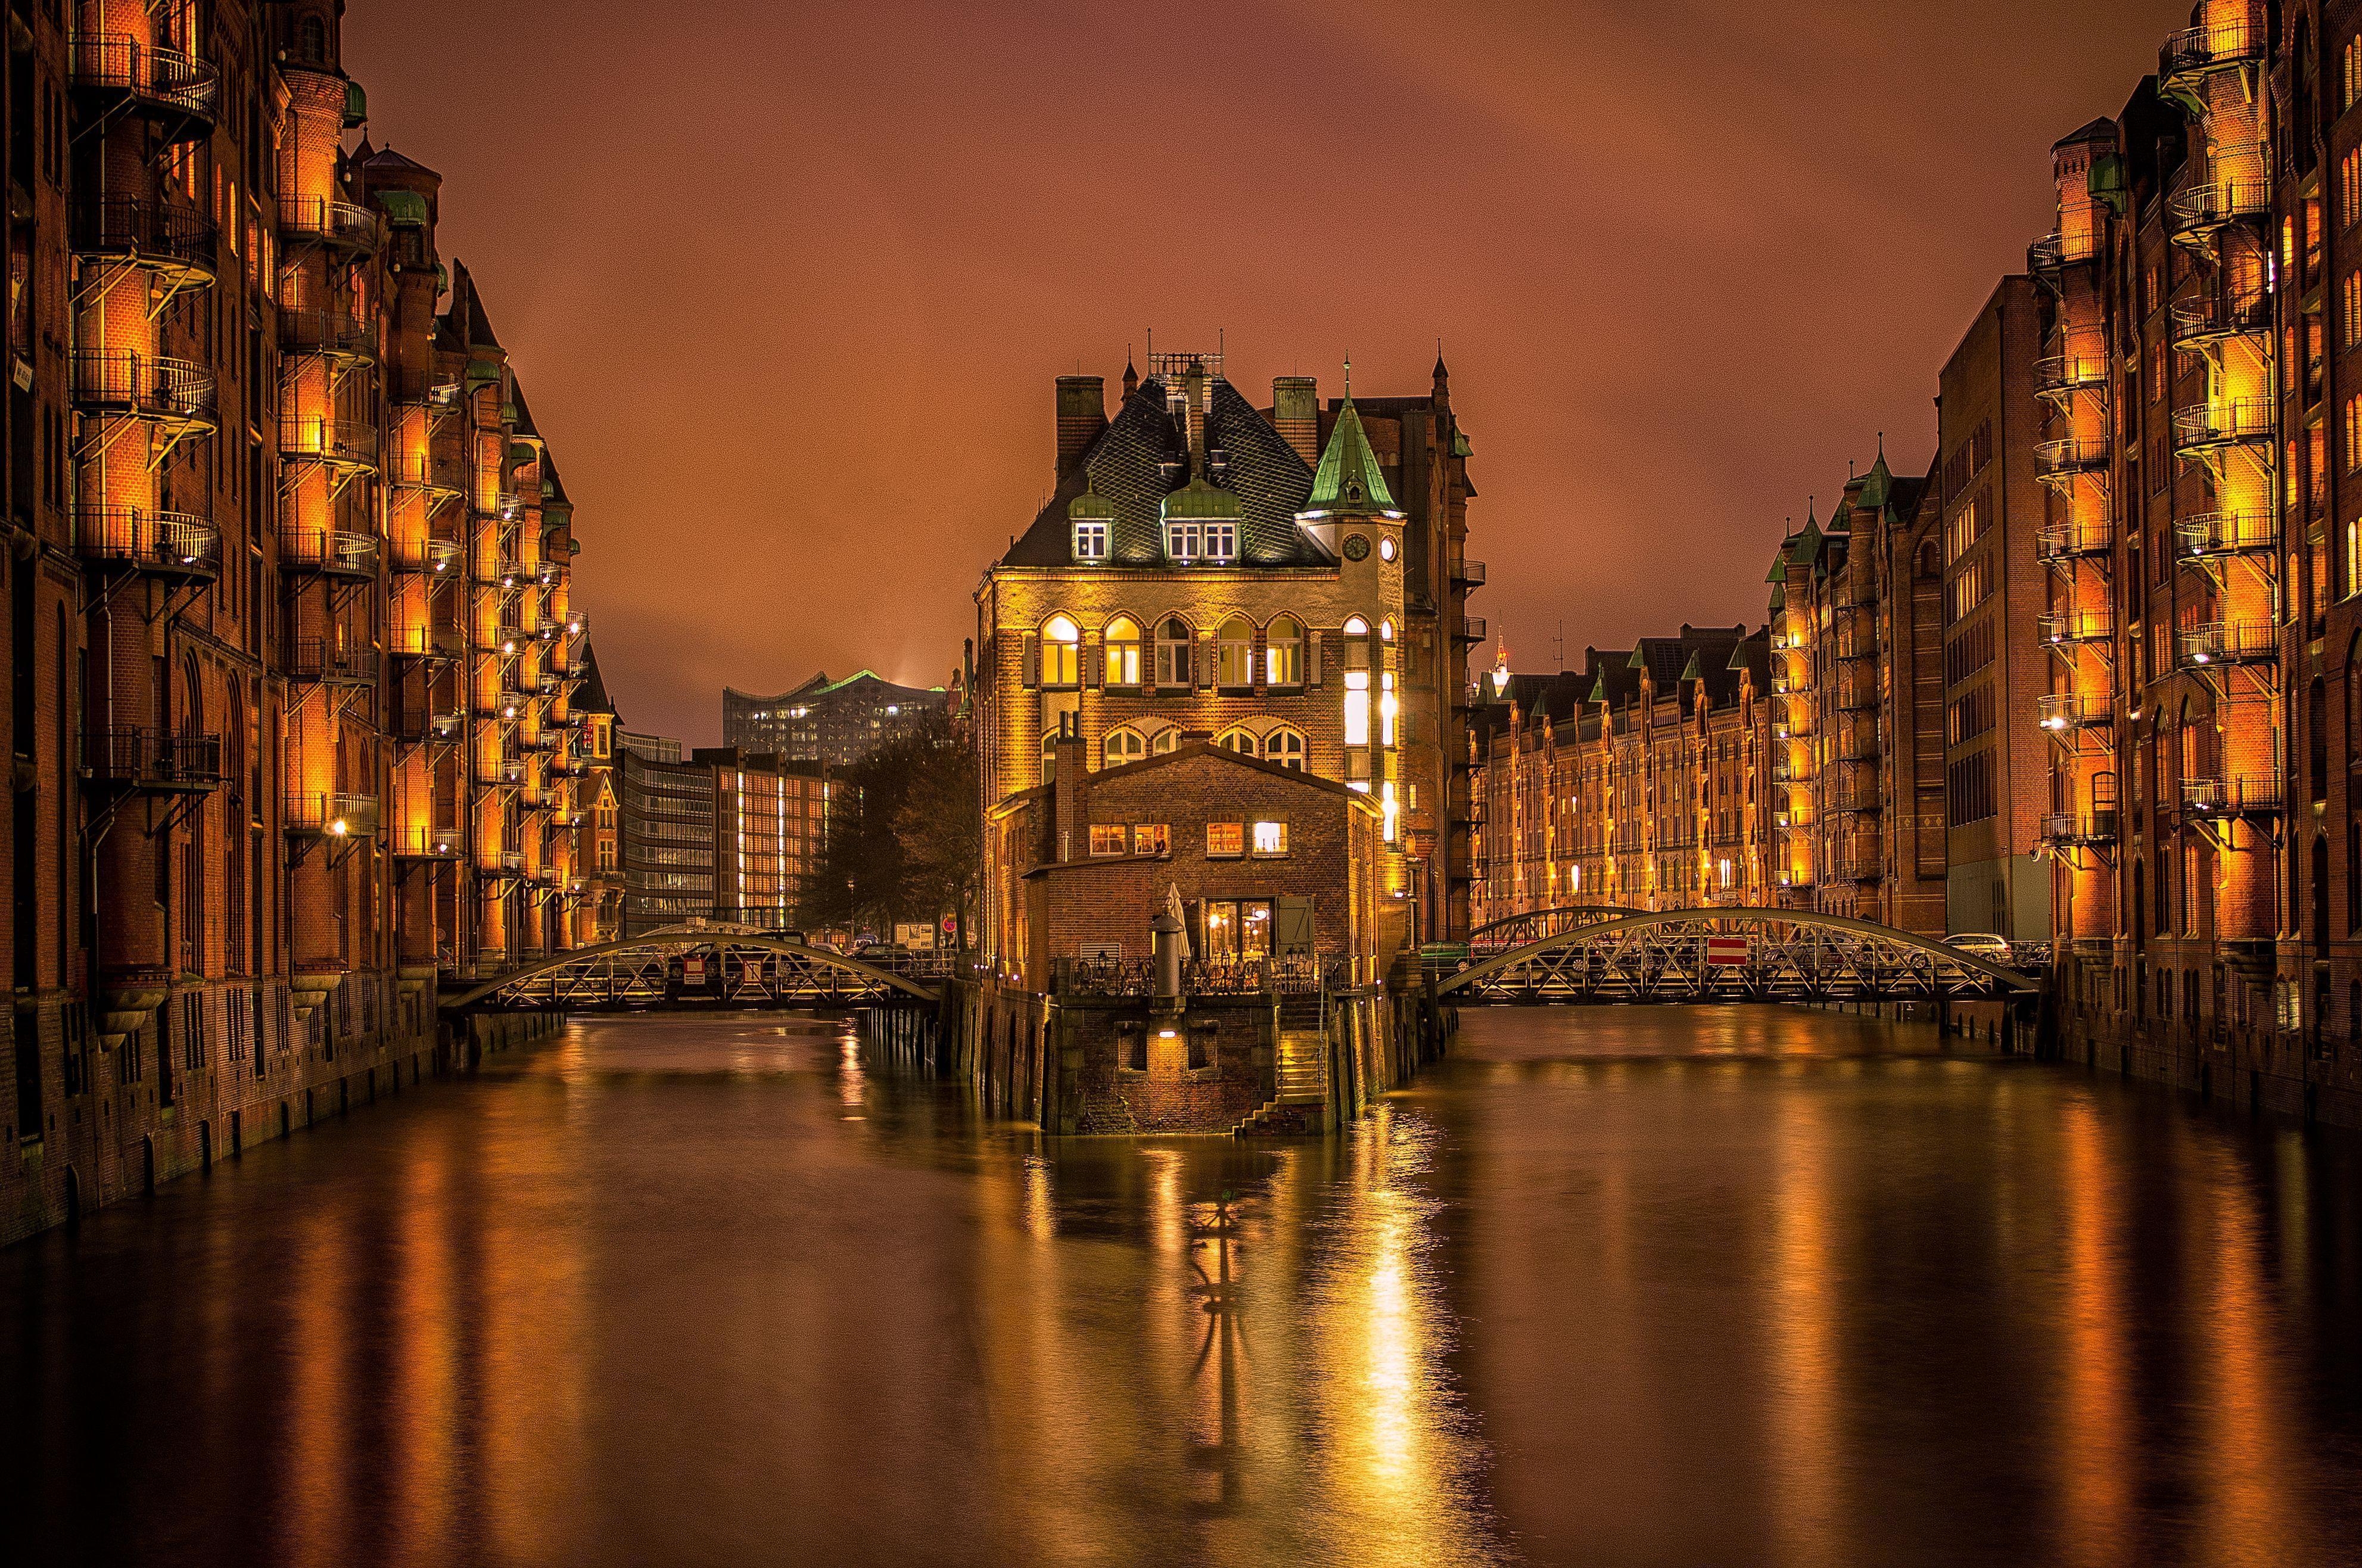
1202, 541
1090, 541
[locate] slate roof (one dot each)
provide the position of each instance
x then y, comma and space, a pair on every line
1142, 455
592, 696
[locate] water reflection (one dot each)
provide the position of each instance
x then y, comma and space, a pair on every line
1613, 1286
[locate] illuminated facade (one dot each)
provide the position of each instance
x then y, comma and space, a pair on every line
247, 442
1643, 779
1285, 583
2204, 310
721, 837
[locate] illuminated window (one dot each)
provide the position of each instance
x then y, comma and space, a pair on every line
1106, 840
1151, 839
1240, 740
1049, 756
1284, 651
1123, 652
1234, 652
1357, 627
1165, 741
1062, 652
1270, 838
1126, 744
1387, 549
1286, 747
1173, 653
1183, 541
1225, 841
1222, 541
1385, 631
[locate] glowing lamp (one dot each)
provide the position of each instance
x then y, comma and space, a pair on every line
337, 827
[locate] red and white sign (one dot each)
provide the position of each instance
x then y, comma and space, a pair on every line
692, 970
1727, 952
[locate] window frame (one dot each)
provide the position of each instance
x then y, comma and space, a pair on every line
1230, 834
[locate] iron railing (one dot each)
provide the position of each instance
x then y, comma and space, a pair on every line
2074, 538
334, 552
2061, 710
432, 557
343, 442
2071, 455
170, 543
331, 815
146, 231
150, 759
2227, 642
326, 332
2223, 424
152, 77
342, 225
420, 841
2231, 797
2209, 533
146, 386
2089, 623
318, 660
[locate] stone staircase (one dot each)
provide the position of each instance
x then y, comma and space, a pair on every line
1301, 1106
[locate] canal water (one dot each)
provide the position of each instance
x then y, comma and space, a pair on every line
1726, 1285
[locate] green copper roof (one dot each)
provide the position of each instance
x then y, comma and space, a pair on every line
404, 206
1599, 688
1090, 505
1197, 500
1693, 670
1806, 544
1779, 600
1779, 572
1349, 478
1876, 486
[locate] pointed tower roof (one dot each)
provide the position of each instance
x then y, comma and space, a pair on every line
1879, 483
1349, 478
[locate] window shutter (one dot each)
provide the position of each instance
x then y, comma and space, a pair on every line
1032, 676
1311, 659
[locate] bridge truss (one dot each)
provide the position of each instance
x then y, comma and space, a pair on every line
692, 971
1731, 955
1518, 930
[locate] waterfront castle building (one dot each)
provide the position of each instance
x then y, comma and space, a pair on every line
292, 641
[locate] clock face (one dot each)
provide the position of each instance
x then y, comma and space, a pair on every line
1357, 549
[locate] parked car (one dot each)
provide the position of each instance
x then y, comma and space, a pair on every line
1984, 945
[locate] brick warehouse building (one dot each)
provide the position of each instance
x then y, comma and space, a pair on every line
288, 603
1291, 582
2204, 288
1642, 779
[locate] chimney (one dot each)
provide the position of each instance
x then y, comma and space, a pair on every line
1070, 790
1296, 415
1082, 414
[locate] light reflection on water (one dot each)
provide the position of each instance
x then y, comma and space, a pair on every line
1620, 1286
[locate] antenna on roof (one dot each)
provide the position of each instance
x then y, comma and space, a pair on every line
1561, 626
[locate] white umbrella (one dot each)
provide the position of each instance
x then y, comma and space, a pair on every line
1172, 908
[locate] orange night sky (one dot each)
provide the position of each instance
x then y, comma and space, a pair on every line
788, 284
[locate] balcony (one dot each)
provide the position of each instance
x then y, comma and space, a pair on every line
339, 226
541, 739
2067, 831
1856, 794
418, 727
2200, 322
440, 474
150, 762
416, 840
328, 553
2065, 628
1467, 573
338, 334
2230, 423
503, 863
2053, 253
171, 90
2209, 535
2226, 797
429, 644
2076, 538
2062, 712
2199, 209
349, 444
1856, 695
313, 815
173, 547
1467, 628
1860, 745
2195, 53
316, 661
437, 558
131, 385
178, 243
2064, 375
506, 507
2070, 456
2227, 643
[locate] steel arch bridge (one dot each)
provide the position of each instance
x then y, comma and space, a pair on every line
1729, 956
1518, 930
690, 970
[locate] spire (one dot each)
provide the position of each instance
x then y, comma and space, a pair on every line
1349, 478
1130, 376
1443, 393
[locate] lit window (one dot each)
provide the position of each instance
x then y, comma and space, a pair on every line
1049, 756
1173, 653
1062, 652
1222, 541
1183, 541
1234, 652
1106, 840
1225, 839
1387, 549
1122, 639
1240, 740
1126, 744
1151, 839
1270, 838
1165, 741
1285, 747
1385, 631
1284, 651
1090, 541
1357, 627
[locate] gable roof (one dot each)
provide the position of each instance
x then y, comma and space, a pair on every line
1142, 457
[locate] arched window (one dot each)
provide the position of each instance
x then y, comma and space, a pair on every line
1062, 652
311, 46
1164, 742
1284, 651
1049, 755
1239, 740
1357, 627
1234, 652
1124, 744
1285, 747
1123, 639
1385, 631
1172, 651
